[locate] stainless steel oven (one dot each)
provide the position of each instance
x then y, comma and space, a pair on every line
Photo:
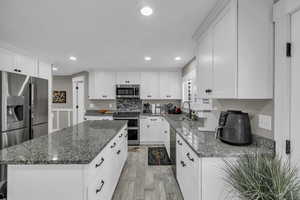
128, 91
133, 126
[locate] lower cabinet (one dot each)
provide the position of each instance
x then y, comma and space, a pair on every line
105, 170
200, 178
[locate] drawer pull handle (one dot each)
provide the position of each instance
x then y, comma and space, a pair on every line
189, 157
100, 163
183, 164
100, 188
179, 142
118, 152
113, 146
120, 135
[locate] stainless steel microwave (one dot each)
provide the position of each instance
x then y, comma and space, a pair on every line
128, 91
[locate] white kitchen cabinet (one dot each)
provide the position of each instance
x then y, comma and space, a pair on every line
17, 63
225, 54
166, 134
205, 66
26, 65
7, 60
150, 85
151, 130
102, 85
235, 53
44, 70
128, 78
170, 85
188, 168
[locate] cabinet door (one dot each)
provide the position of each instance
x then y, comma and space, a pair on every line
92, 90
44, 70
27, 65
128, 78
170, 85
105, 85
205, 66
150, 85
225, 54
6, 60
179, 162
144, 130
166, 134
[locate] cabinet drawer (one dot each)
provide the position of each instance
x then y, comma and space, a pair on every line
100, 188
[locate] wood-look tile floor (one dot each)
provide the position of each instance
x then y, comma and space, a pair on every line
142, 182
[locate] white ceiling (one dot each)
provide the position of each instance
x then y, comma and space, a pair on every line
104, 34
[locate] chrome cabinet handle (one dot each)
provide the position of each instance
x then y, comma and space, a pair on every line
179, 142
104, 96
118, 152
149, 96
113, 146
189, 157
100, 163
100, 188
183, 164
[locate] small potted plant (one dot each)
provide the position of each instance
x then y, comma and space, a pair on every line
262, 178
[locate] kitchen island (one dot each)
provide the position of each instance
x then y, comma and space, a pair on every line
83, 162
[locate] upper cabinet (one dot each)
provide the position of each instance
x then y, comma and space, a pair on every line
16, 63
44, 70
21, 64
170, 85
235, 54
150, 85
128, 78
102, 85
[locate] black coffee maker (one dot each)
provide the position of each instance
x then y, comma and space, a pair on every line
234, 128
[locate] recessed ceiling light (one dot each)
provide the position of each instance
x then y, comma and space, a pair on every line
146, 11
73, 58
177, 58
148, 58
54, 68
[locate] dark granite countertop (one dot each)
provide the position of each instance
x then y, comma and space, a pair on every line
97, 113
204, 143
79, 144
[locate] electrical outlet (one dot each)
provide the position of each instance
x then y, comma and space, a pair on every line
265, 122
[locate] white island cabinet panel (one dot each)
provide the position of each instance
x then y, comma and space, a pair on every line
170, 85
41, 179
150, 85
128, 78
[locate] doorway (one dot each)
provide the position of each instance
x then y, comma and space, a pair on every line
78, 100
295, 89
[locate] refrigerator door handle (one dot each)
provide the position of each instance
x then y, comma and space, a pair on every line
4, 141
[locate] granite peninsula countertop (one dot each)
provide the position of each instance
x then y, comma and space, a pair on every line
204, 143
79, 144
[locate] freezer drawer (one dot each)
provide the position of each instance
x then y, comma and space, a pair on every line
39, 130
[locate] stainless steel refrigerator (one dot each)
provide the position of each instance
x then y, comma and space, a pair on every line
24, 113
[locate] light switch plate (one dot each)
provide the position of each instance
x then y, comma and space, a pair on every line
265, 122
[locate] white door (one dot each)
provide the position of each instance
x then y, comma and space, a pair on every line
205, 66
295, 90
150, 85
225, 55
78, 100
